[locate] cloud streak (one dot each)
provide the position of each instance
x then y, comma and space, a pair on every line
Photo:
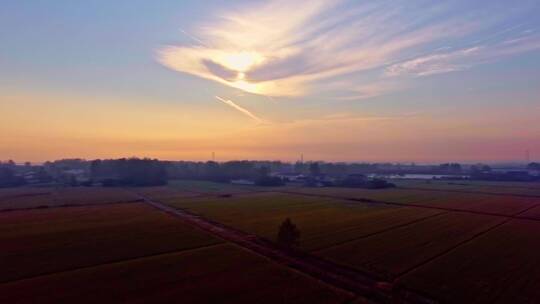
240, 109
463, 59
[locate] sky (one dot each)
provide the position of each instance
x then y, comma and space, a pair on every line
335, 80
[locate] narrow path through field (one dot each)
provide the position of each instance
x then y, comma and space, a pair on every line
338, 276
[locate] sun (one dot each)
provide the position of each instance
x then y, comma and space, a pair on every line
240, 61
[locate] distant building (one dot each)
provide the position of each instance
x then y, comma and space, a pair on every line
291, 177
242, 182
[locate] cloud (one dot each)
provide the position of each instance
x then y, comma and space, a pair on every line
284, 48
433, 64
463, 59
240, 109
298, 48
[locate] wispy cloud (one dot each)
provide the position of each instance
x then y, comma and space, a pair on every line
285, 48
297, 48
463, 59
240, 109
434, 63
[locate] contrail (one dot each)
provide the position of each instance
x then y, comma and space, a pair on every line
239, 108
193, 37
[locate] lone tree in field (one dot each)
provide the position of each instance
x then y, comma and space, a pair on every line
288, 235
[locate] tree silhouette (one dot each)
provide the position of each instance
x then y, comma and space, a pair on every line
288, 235
314, 169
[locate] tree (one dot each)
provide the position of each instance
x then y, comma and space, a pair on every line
264, 172
314, 169
299, 167
533, 166
9, 179
264, 178
288, 235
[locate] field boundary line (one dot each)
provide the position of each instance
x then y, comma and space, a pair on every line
117, 261
384, 230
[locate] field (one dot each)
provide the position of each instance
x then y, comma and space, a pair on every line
82, 249
474, 243
501, 266
497, 204
395, 252
324, 221
221, 273
423, 233
36, 242
41, 198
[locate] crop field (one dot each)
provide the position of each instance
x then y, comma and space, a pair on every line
213, 188
324, 221
27, 198
501, 266
518, 188
396, 251
221, 273
36, 242
9, 193
466, 201
164, 192
454, 246
454, 256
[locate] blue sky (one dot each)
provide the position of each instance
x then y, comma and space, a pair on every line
307, 61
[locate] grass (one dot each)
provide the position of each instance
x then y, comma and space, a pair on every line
50, 240
214, 274
501, 266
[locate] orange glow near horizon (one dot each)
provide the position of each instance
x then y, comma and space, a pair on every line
104, 129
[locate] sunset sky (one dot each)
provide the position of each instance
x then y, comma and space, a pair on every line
402, 80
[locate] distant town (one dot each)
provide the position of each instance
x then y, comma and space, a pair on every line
151, 172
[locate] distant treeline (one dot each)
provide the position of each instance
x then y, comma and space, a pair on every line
143, 172
128, 172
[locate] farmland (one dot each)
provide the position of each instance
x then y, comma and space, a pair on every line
82, 249
29, 198
219, 273
408, 240
450, 245
324, 221
50, 240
